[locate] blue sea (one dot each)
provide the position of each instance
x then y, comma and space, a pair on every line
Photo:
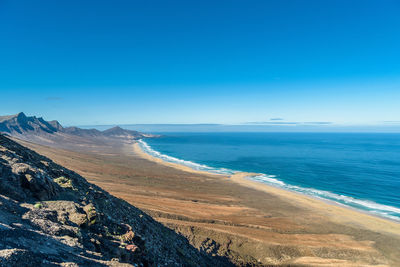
359, 170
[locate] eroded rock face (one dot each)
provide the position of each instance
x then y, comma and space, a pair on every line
21, 180
50, 216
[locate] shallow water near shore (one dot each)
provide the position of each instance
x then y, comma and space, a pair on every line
354, 169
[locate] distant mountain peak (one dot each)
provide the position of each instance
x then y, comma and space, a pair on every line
21, 115
119, 132
115, 128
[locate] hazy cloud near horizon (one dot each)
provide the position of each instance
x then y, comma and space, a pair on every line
391, 121
289, 122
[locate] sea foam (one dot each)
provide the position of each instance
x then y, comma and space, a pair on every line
195, 166
386, 211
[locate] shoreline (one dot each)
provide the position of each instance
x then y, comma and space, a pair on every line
336, 212
140, 152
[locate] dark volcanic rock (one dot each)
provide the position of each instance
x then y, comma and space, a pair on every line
50, 216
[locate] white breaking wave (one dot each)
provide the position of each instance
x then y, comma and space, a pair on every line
365, 205
195, 166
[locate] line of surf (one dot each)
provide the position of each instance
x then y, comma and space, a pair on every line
195, 166
381, 210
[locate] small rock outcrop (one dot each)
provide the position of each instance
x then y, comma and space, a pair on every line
52, 216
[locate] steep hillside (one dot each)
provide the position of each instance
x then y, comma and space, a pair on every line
50, 216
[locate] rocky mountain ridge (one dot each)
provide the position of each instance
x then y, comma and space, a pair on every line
23, 126
20, 123
51, 216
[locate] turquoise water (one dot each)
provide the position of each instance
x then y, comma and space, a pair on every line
357, 170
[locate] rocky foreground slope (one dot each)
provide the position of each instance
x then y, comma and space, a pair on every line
50, 215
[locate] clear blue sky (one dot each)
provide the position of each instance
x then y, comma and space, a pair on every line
108, 62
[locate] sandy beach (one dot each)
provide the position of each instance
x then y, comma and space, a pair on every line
248, 222
334, 211
139, 151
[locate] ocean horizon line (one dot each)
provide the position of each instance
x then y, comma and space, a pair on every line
290, 128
